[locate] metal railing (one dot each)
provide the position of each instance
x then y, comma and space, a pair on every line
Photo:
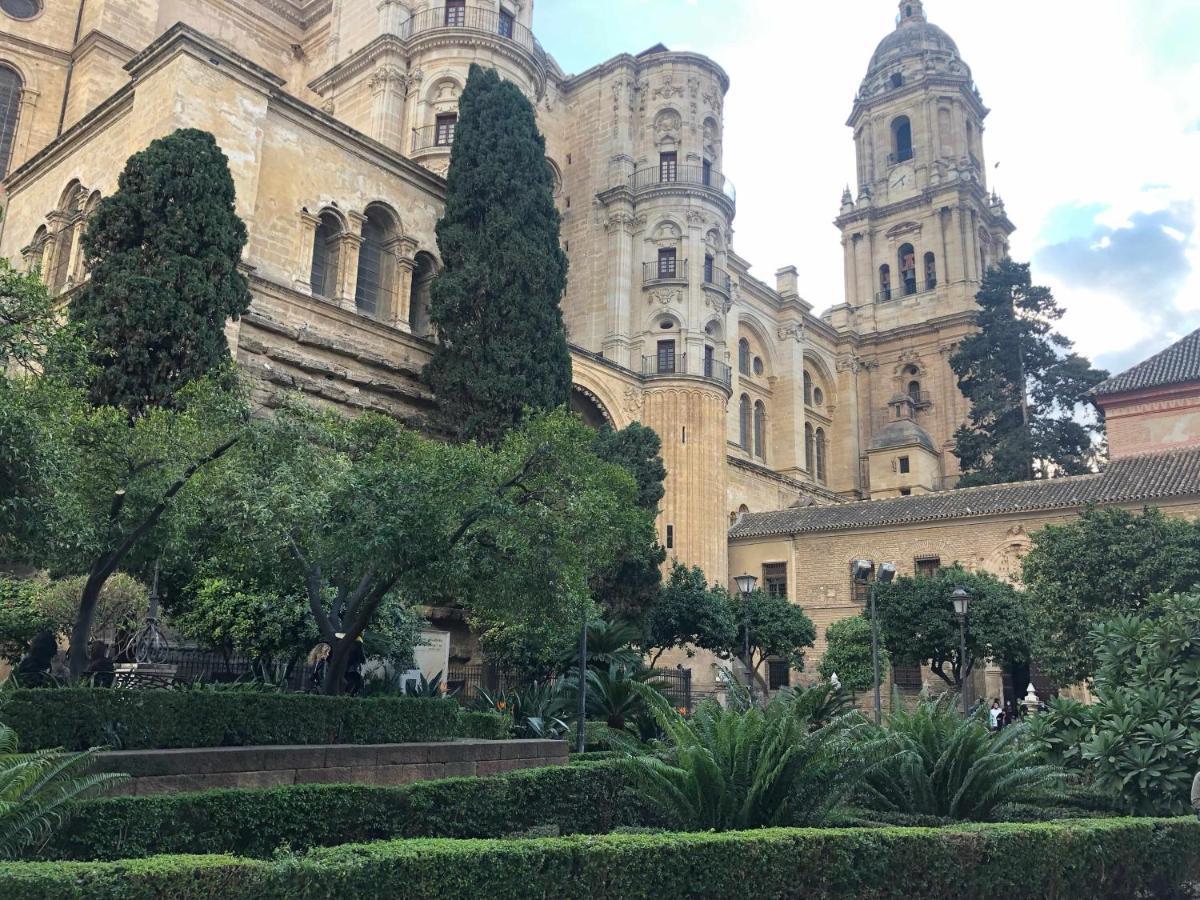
471, 18
465, 682
427, 136
705, 367
718, 278
906, 289
664, 270
676, 686
919, 399
702, 176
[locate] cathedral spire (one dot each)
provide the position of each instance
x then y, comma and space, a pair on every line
910, 11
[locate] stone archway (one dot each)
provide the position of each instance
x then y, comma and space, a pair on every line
589, 407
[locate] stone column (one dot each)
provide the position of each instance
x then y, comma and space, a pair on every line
75, 261
348, 262
621, 227
393, 14
693, 324
20, 149
387, 85
792, 357
304, 252
406, 264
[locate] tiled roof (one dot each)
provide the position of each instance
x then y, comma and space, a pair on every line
1178, 363
1149, 477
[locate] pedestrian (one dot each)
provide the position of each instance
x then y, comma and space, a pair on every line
1196, 795
994, 715
318, 659
1011, 713
34, 667
100, 669
354, 678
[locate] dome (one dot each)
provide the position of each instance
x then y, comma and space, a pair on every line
902, 433
912, 37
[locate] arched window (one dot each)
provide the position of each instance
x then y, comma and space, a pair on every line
326, 241
10, 108
760, 430
743, 357
908, 268
821, 455
930, 272
374, 288
810, 447
901, 139
70, 210
744, 422
808, 389
885, 282
914, 391
419, 298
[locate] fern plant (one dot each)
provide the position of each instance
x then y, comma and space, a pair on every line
750, 768
947, 766
38, 791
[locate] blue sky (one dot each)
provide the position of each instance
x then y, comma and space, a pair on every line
1093, 140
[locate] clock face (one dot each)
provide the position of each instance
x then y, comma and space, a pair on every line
901, 182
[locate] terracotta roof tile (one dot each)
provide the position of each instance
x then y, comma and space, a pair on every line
1178, 363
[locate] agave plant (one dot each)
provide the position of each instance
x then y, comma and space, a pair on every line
537, 710
750, 768
428, 687
38, 791
947, 766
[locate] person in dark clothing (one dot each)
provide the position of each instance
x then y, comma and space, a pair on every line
354, 678
100, 669
34, 668
318, 661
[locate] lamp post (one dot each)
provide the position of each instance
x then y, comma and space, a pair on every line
860, 571
580, 735
962, 600
746, 585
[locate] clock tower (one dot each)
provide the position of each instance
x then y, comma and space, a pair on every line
918, 233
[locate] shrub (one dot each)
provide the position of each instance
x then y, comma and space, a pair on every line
945, 765
486, 726
78, 718
1103, 859
592, 798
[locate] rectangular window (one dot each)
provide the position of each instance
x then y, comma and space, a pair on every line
708, 269
907, 678
670, 537
666, 263
860, 591
774, 577
708, 361
903, 465
668, 167
443, 134
905, 492
779, 674
506, 23
927, 565
456, 13
666, 357
706, 172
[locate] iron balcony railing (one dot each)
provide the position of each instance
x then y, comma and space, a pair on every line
718, 278
906, 289
702, 176
663, 364
471, 18
919, 399
666, 269
427, 136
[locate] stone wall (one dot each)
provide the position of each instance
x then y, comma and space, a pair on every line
178, 771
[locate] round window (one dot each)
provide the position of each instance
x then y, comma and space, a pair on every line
758, 365
666, 324
21, 9
818, 397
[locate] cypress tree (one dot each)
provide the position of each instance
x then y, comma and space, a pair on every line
1024, 385
502, 346
163, 252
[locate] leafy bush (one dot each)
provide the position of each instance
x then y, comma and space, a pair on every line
486, 726
39, 790
586, 798
1103, 859
748, 768
944, 765
537, 710
1140, 738
848, 654
78, 718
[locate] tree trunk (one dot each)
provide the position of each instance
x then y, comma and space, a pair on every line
335, 669
82, 629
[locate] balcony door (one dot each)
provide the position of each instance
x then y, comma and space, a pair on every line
666, 357
456, 13
668, 167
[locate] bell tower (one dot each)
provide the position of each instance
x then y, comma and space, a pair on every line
921, 227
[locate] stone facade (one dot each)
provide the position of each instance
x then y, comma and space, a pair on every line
337, 117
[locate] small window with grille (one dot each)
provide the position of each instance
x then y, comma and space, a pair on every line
775, 579
779, 674
927, 565
906, 678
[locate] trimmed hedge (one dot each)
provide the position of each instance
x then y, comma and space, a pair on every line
488, 726
78, 718
590, 799
1107, 858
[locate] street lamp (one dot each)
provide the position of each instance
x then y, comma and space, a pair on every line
860, 571
746, 585
962, 600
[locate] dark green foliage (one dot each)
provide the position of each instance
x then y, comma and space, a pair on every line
1107, 562
78, 718
778, 628
639, 450
848, 654
1106, 859
502, 347
689, 611
27, 320
589, 798
21, 616
941, 764
163, 252
488, 726
1138, 741
917, 621
1023, 384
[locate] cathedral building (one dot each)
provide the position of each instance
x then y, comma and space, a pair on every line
338, 119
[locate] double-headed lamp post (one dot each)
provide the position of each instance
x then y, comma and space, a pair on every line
860, 572
961, 598
746, 585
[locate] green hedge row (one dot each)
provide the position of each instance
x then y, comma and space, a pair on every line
488, 726
1108, 858
77, 718
589, 799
